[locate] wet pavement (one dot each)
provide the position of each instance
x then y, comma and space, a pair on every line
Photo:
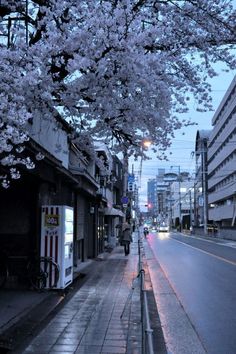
104, 316
100, 313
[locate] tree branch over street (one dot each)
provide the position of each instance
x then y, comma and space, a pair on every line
125, 68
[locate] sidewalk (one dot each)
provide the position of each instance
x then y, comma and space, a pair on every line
103, 316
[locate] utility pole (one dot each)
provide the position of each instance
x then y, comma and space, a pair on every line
180, 223
190, 207
179, 192
204, 186
125, 177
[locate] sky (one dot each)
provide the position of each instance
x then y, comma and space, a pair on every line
180, 153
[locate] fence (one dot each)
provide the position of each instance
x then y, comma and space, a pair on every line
147, 338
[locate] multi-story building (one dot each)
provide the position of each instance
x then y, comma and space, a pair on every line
161, 189
222, 161
171, 197
151, 196
182, 196
156, 197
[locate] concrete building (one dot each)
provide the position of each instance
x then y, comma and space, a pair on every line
151, 196
156, 189
181, 197
222, 162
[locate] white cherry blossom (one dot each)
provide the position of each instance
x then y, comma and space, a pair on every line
118, 70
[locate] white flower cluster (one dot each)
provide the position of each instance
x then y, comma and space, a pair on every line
118, 70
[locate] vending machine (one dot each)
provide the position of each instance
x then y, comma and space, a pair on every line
57, 241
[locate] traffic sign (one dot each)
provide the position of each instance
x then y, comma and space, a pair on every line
124, 199
131, 178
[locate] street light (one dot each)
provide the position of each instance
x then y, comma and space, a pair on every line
145, 144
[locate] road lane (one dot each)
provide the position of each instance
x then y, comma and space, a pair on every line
203, 278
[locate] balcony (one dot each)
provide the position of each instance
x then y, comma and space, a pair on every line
221, 212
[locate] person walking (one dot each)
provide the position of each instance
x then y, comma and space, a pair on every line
126, 237
145, 231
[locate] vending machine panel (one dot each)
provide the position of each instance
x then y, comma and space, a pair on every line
57, 240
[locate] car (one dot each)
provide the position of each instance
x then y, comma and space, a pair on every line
163, 228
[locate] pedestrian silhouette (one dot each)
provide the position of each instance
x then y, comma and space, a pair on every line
126, 237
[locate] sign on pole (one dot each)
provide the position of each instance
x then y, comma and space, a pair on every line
124, 200
130, 186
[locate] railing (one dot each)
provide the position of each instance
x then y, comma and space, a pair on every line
147, 339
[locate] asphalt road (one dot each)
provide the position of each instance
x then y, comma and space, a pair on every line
203, 276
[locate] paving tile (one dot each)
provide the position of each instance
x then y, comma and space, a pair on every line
59, 352
89, 349
92, 341
94, 334
35, 351
74, 330
114, 343
46, 340
36, 348
118, 326
134, 351
74, 336
113, 350
117, 332
68, 341
64, 348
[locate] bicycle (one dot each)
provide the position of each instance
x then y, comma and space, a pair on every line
43, 273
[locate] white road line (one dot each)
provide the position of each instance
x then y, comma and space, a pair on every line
227, 244
213, 255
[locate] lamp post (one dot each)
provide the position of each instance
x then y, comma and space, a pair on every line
145, 144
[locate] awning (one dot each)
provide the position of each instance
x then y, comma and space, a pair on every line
114, 212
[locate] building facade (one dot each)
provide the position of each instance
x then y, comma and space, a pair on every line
222, 162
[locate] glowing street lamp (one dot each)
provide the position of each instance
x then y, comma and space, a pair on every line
146, 143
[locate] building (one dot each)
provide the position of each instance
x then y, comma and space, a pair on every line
222, 162
161, 190
151, 197
182, 197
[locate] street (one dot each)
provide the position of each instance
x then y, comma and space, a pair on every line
202, 276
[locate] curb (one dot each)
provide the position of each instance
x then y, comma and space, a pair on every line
159, 344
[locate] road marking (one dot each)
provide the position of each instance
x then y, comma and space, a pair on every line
219, 243
228, 244
213, 255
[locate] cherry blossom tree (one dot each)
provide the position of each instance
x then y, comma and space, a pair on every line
117, 70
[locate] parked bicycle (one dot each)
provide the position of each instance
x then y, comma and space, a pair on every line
41, 273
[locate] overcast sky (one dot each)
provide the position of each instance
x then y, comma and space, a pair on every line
180, 154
